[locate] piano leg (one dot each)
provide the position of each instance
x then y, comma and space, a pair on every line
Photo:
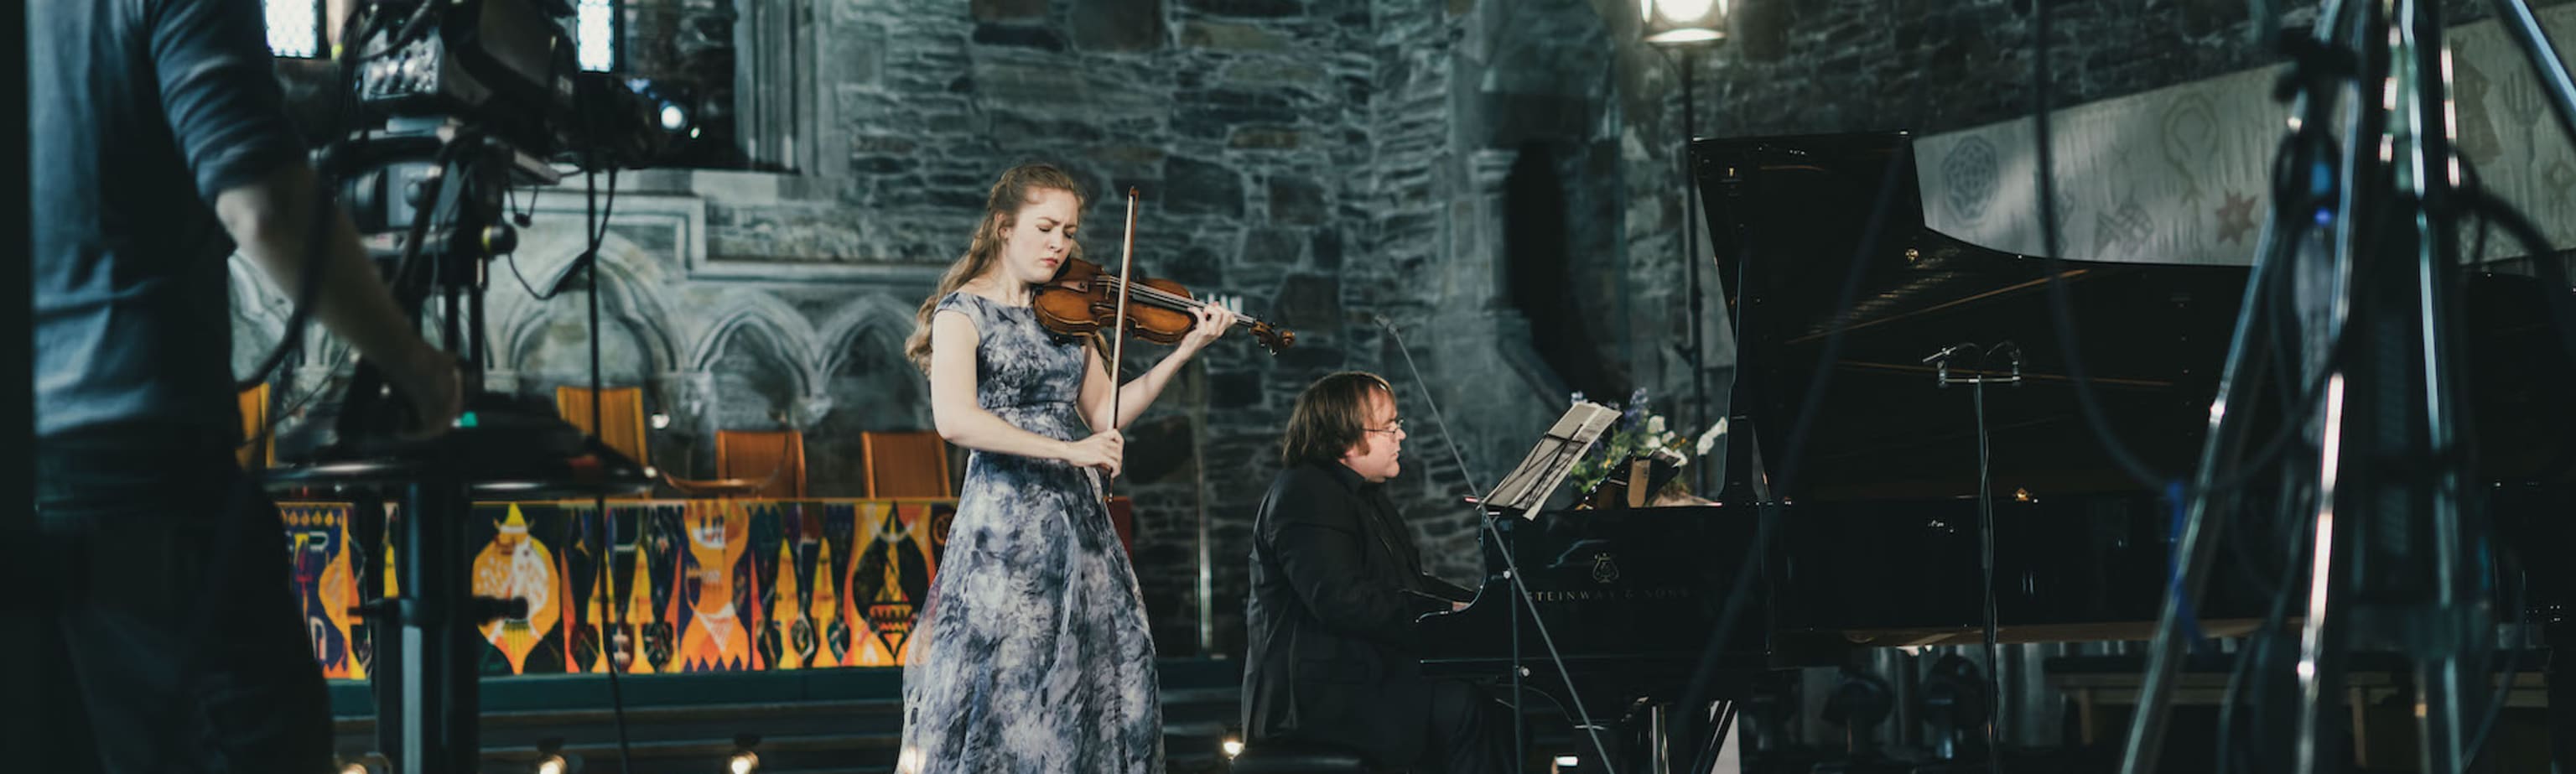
1659, 759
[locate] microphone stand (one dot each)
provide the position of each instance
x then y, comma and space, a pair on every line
1940, 362
1511, 572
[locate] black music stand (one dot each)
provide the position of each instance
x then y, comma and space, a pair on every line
1526, 488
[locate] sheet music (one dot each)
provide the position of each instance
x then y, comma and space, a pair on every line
1529, 484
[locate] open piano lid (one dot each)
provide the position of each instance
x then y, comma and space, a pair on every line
1788, 216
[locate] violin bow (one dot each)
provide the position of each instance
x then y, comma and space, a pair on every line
1118, 332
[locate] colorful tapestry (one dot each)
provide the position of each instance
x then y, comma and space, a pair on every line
664, 586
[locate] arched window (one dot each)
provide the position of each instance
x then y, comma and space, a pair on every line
726, 75
298, 29
595, 35
295, 28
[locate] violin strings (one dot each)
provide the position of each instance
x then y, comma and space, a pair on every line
1157, 294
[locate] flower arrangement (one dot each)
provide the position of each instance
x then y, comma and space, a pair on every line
1641, 434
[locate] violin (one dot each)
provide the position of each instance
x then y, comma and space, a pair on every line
1082, 300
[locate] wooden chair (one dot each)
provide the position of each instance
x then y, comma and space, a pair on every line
777, 456
621, 410
906, 464
258, 447
715, 488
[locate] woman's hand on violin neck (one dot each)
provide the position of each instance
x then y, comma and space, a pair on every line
1213, 322
1105, 450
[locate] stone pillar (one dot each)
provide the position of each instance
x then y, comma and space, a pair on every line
806, 412
501, 381
685, 394
1477, 248
1475, 351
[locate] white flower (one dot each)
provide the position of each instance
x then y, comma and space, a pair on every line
1709, 439
1655, 425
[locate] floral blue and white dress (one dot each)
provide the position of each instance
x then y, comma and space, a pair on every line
1031, 653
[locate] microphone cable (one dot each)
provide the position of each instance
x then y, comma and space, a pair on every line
1511, 567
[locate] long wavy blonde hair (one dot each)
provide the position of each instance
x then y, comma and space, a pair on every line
1001, 212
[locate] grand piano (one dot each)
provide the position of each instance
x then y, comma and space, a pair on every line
1877, 540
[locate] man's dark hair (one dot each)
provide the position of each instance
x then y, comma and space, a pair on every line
1331, 415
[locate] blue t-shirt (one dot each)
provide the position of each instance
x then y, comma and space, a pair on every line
140, 112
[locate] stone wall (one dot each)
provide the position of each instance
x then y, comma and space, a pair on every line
1465, 170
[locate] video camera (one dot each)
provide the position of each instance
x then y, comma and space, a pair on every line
464, 101
505, 66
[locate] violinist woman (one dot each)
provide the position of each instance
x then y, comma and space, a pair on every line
1031, 653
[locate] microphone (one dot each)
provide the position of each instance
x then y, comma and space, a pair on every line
1947, 352
1940, 361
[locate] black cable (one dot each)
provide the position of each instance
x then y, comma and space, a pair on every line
326, 202
2060, 309
595, 231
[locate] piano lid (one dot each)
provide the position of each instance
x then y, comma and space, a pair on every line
1788, 218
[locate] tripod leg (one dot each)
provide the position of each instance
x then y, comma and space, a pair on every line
434, 697
2321, 637
414, 705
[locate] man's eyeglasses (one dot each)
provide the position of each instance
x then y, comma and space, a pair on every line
1393, 426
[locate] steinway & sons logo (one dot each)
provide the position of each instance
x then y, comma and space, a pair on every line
1605, 571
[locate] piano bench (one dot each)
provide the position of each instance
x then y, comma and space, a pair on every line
1287, 756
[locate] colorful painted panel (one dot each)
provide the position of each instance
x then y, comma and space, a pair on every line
664, 586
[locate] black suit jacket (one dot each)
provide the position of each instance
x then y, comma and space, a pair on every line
1337, 583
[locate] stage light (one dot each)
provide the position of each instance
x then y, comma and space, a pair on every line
673, 105
744, 761
1568, 761
551, 760
352, 763
1675, 22
1232, 746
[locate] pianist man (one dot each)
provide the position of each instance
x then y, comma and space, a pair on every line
1337, 584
